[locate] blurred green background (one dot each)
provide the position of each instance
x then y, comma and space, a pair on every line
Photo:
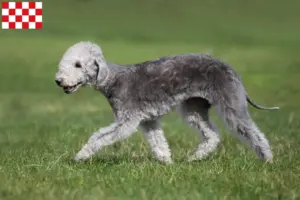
41, 128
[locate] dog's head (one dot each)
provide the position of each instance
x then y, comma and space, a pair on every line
80, 66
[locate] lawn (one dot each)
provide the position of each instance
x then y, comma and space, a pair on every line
41, 128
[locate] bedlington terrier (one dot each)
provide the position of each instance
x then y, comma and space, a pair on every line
140, 94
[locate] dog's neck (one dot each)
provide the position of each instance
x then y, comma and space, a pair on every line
107, 77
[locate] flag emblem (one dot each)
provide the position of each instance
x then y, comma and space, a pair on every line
22, 15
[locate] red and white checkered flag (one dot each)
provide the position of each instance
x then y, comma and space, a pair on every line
22, 15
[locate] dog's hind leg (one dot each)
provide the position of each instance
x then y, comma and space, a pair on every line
154, 134
195, 111
233, 110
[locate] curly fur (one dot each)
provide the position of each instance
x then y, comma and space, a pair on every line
140, 94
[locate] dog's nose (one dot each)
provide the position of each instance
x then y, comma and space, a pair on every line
58, 82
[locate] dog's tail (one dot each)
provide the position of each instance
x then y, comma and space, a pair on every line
259, 106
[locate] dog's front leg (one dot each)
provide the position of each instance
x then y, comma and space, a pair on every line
106, 136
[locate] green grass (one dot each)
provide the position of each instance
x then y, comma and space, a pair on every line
41, 128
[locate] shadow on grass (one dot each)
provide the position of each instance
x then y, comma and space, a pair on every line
113, 160
120, 159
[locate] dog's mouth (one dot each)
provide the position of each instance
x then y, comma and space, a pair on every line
71, 89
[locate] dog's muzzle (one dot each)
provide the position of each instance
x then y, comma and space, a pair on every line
68, 89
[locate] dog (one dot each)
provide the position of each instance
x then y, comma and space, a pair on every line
140, 94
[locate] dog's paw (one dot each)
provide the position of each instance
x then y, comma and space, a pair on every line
192, 158
196, 157
84, 154
168, 161
165, 160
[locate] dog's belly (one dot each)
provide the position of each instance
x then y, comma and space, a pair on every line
159, 108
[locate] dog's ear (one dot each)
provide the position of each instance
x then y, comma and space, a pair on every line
97, 68
102, 70
99, 62
96, 51
96, 64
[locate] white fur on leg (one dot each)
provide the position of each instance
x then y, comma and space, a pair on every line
241, 124
153, 133
196, 113
104, 137
84, 154
209, 138
260, 144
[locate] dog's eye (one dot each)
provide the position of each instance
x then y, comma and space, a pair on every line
78, 65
